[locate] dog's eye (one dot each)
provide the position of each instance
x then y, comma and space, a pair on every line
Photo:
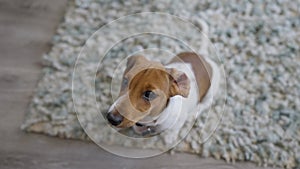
149, 95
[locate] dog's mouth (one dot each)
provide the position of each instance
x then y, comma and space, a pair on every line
143, 129
139, 124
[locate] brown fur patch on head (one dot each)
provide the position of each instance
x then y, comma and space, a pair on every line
142, 75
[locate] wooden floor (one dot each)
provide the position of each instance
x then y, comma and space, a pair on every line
26, 27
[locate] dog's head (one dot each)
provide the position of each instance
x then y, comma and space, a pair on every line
145, 91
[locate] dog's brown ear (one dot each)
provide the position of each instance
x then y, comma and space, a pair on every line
132, 60
180, 84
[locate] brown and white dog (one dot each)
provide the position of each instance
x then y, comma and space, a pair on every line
155, 97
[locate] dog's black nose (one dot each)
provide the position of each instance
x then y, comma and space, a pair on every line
114, 119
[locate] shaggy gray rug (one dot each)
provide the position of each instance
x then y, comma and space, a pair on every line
258, 41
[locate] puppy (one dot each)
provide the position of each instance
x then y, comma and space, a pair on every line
154, 97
